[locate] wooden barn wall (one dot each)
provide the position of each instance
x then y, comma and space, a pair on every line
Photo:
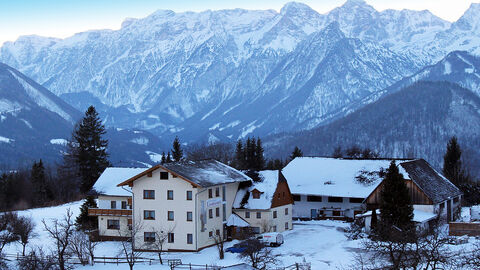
416, 195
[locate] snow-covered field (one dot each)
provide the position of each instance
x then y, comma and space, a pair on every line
322, 243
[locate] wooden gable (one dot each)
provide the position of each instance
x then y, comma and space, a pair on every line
417, 196
282, 195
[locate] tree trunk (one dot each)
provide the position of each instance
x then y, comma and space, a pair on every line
160, 257
23, 249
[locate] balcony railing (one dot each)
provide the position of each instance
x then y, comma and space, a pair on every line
109, 212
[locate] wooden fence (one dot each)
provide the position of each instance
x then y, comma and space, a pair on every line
463, 228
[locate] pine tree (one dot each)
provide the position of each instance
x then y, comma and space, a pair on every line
452, 164
239, 156
85, 222
169, 158
395, 205
39, 184
251, 159
88, 149
163, 158
259, 158
296, 153
177, 152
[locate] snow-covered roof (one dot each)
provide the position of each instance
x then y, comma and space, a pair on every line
418, 216
335, 176
237, 221
267, 187
108, 180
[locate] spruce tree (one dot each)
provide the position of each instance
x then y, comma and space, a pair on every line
39, 184
296, 153
85, 222
239, 156
177, 152
163, 158
250, 158
395, 205
169, 158
259, 158
89, 149
452, 164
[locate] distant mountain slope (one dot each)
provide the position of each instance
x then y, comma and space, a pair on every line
34, 124
416, 121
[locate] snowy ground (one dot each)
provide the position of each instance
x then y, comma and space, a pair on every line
322, 243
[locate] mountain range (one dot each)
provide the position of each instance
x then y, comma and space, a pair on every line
224, 75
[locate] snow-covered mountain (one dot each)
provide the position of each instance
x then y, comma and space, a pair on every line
225, 74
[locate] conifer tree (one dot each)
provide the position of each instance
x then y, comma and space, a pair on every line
88, 149
259, 158
39, 184
239, 156
169, 158
163, 158
296, 153
85, 222
452, 164
250, 158
395, 205
177, 152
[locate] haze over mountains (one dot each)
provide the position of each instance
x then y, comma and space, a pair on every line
223, 75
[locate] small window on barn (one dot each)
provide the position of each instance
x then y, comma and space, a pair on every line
297, 197
311, 198
256, 194
356, 200
336, 213
335, 199
164, 175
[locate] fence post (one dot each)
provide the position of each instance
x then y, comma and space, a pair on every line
104, 262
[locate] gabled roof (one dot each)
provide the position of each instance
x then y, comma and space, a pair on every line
108, 180
335, 176
433, 184
267, 189
202, 173
237, 221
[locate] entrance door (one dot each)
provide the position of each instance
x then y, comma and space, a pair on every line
313, 213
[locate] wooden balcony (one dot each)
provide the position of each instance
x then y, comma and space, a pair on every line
110, 212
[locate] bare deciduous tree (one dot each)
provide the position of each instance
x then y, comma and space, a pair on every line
161, 238
37, 259
24, 229
219, 241
7, 231
61, 232
258, 255
127, 244
79, 246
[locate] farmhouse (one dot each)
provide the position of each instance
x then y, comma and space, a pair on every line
263, 206
114, 203
430, 193
333, 188
188, 202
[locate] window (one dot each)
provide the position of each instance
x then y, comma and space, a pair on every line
189, 238
217, 192
223, 193
217, 232
210, 193
124, 205
217, 211
210, 234
247, 214
169, 194
171, 237
335, 199
189, 195
149, 237
170, 215
286, 225
259, 214
256, 229
189, 216
336, 213
149, 194
286, 211
297, 197
311, 198
113, 224
164, 175
113, 205
356, 200
256, 194
274, 228
210, 213
456, 199
274, 214
148, 214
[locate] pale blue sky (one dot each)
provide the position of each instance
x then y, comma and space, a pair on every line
63, 18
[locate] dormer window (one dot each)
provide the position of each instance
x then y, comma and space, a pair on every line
256, 194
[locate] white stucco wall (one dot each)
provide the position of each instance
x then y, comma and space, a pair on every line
266, 223
104, 231
302, 209
104, 201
